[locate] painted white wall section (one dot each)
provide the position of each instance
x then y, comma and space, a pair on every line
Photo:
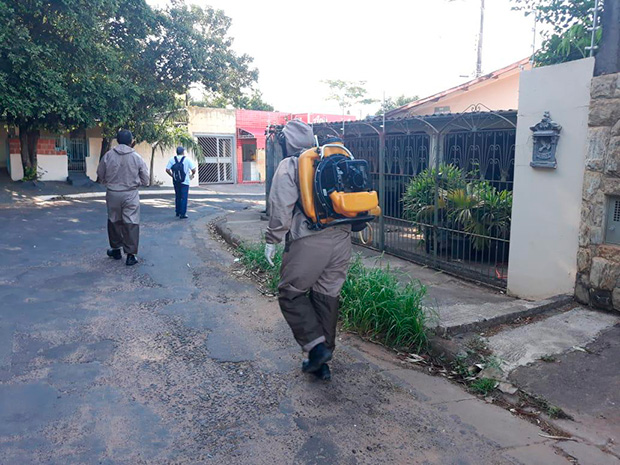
546, 211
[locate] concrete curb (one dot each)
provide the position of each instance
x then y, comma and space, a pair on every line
541, 307
97, 195
226, 234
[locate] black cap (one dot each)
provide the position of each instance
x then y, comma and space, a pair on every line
180, 150
124, 136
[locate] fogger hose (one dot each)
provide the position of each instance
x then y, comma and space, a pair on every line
368, 240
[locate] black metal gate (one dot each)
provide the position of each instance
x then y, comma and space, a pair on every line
445, 185
76, 154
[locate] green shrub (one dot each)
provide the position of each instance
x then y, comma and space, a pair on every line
30, 174
375, 304
473, 206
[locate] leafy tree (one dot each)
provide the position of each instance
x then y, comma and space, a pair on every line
348, 93
391, 103
253, 101
66, 64
187, 45
568, 36
49, 53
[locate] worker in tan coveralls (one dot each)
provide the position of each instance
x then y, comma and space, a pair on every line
122, 171
314, 264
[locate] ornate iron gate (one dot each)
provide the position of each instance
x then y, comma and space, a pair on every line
445, 186
218, 164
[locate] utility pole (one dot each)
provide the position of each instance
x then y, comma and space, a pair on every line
594, 28
479, 58
608, 56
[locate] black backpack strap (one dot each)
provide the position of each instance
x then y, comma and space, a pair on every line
182, 158
175, 159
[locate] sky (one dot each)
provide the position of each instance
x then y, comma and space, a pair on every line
411, 47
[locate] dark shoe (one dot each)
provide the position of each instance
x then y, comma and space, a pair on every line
183, 217
176, 214
115, 254
131, 260
323, 373
319, 355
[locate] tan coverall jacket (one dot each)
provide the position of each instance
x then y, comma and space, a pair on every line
122, 171
314, 264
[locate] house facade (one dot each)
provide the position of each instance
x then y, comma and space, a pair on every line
498, 90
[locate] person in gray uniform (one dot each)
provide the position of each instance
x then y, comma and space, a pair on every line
122, 171
314, 264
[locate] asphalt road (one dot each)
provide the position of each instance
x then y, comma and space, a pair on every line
178, 361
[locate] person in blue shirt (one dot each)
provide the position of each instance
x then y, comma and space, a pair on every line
182, 170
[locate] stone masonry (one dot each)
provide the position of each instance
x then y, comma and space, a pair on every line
598, 263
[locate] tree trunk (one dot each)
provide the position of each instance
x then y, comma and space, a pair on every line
33, 140
23, 149
151, 175
105, 146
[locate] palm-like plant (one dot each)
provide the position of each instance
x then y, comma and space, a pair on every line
475, 207
165, 131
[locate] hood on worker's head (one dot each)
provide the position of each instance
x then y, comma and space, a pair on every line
123, 149
298, 137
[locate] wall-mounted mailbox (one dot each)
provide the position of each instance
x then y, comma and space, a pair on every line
545, 134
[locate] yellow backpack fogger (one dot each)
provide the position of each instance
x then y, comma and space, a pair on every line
335, 188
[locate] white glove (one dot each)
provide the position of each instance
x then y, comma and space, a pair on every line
270, 252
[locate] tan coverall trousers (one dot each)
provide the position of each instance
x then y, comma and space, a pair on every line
124, 220
313, 271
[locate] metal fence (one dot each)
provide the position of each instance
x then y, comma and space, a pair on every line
445, 187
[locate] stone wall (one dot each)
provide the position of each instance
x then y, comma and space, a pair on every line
598, 264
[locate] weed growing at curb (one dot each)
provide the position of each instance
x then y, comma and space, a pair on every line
376, 305
483, 386
544, 405
253, 258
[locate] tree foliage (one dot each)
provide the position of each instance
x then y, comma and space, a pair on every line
568, 34
391, 103
245, 101
66, 64
348, 93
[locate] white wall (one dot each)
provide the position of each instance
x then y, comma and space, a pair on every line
212, 121
53, 167
50, 167
546, 211
162, 178
92, 160
16, 168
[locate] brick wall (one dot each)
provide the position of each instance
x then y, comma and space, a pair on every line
598, 263
45, 146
